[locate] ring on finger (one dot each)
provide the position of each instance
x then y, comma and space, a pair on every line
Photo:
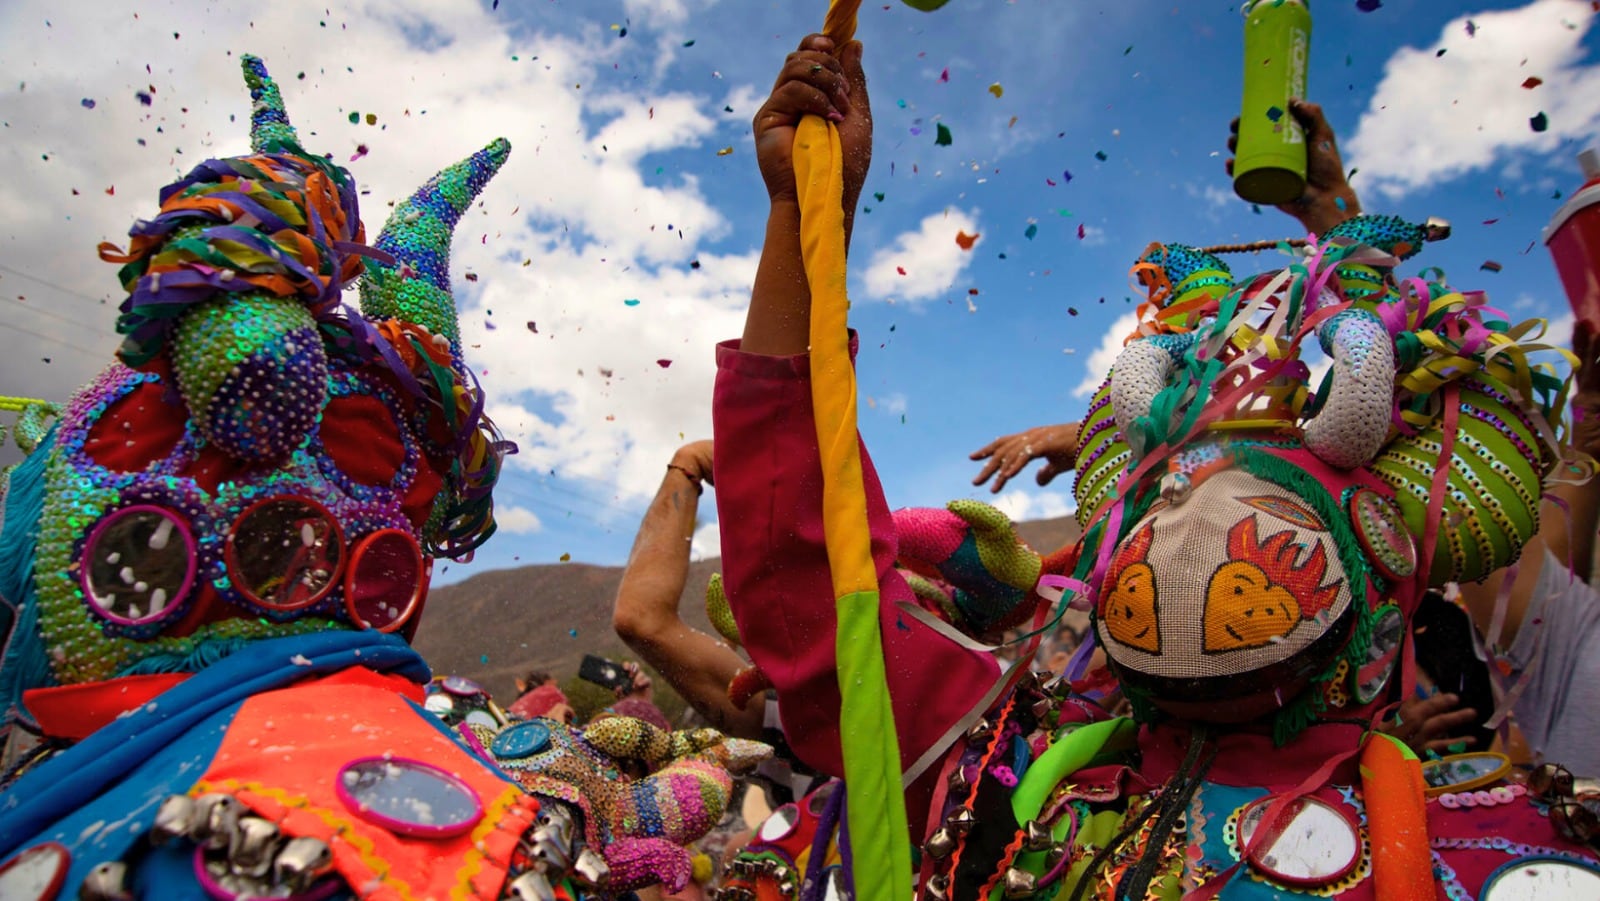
816, 68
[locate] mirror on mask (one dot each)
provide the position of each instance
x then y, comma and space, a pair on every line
409, 797
1314, 843
1461, 772
284, 553
386, 580
1542, 879
139, 565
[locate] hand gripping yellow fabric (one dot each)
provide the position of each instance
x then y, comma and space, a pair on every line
876, 813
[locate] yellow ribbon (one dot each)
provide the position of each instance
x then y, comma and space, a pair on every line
879, 834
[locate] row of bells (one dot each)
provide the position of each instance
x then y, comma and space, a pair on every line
551, 849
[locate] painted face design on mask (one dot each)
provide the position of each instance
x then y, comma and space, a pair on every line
1267, 587
1130, 606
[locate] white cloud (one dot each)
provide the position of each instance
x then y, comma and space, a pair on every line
1559, 333
930, 258
1105, 356
892, 404
517, 520
1434, 118
1023, 505
707, 541
573, 202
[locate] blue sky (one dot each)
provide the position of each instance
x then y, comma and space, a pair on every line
618, 185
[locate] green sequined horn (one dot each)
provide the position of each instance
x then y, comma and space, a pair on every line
417, 287
270, 131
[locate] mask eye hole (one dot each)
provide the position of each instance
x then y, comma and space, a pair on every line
285, 553
139, 565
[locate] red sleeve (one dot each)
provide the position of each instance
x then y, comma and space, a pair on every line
775, 569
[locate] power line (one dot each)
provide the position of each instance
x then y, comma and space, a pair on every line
86, 351
32, 308
98, 301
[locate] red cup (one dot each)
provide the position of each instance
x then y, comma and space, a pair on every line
1573, 237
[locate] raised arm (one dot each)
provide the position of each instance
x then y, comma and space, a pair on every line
1567, 524
646, 615
1328, 198
769, 471
813, 81
1008, 455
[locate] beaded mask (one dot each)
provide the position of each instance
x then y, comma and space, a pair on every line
259, 460
1255, 545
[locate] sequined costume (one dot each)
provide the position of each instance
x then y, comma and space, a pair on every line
215, 556
1253, 547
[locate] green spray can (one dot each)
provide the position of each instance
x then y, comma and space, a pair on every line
1269, 166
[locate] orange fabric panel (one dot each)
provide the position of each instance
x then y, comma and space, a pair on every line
282, 757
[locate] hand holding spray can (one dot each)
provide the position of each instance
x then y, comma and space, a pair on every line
1270, 163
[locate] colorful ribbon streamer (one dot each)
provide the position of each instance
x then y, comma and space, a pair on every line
876, 818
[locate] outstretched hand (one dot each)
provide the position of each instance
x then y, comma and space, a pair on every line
1427, 724
1328, 198
1010, 454
815, 80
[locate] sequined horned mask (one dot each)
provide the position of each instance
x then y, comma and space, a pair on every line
1254, 542
260, 460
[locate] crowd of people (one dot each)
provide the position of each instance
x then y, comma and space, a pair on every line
1336, 642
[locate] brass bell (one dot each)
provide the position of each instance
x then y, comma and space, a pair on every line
958, 781
301, 862
961, 822
216, 820
1058, 686
250, 851
106, 882
1020, 883
591, 868
174, 819
940, 844
533, 886
938, 887
1036, 836
1054, 855
980, 731
1042, 707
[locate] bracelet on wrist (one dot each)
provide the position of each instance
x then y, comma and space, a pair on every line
699, 488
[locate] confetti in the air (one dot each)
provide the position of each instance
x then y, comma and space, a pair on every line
1490, 266
632, 302
1539, 123
996, 89
663, 363
944, 139
86, 103
1100, 155
965, 240
1368, 6
1030, 232
726, 151
1531, 82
